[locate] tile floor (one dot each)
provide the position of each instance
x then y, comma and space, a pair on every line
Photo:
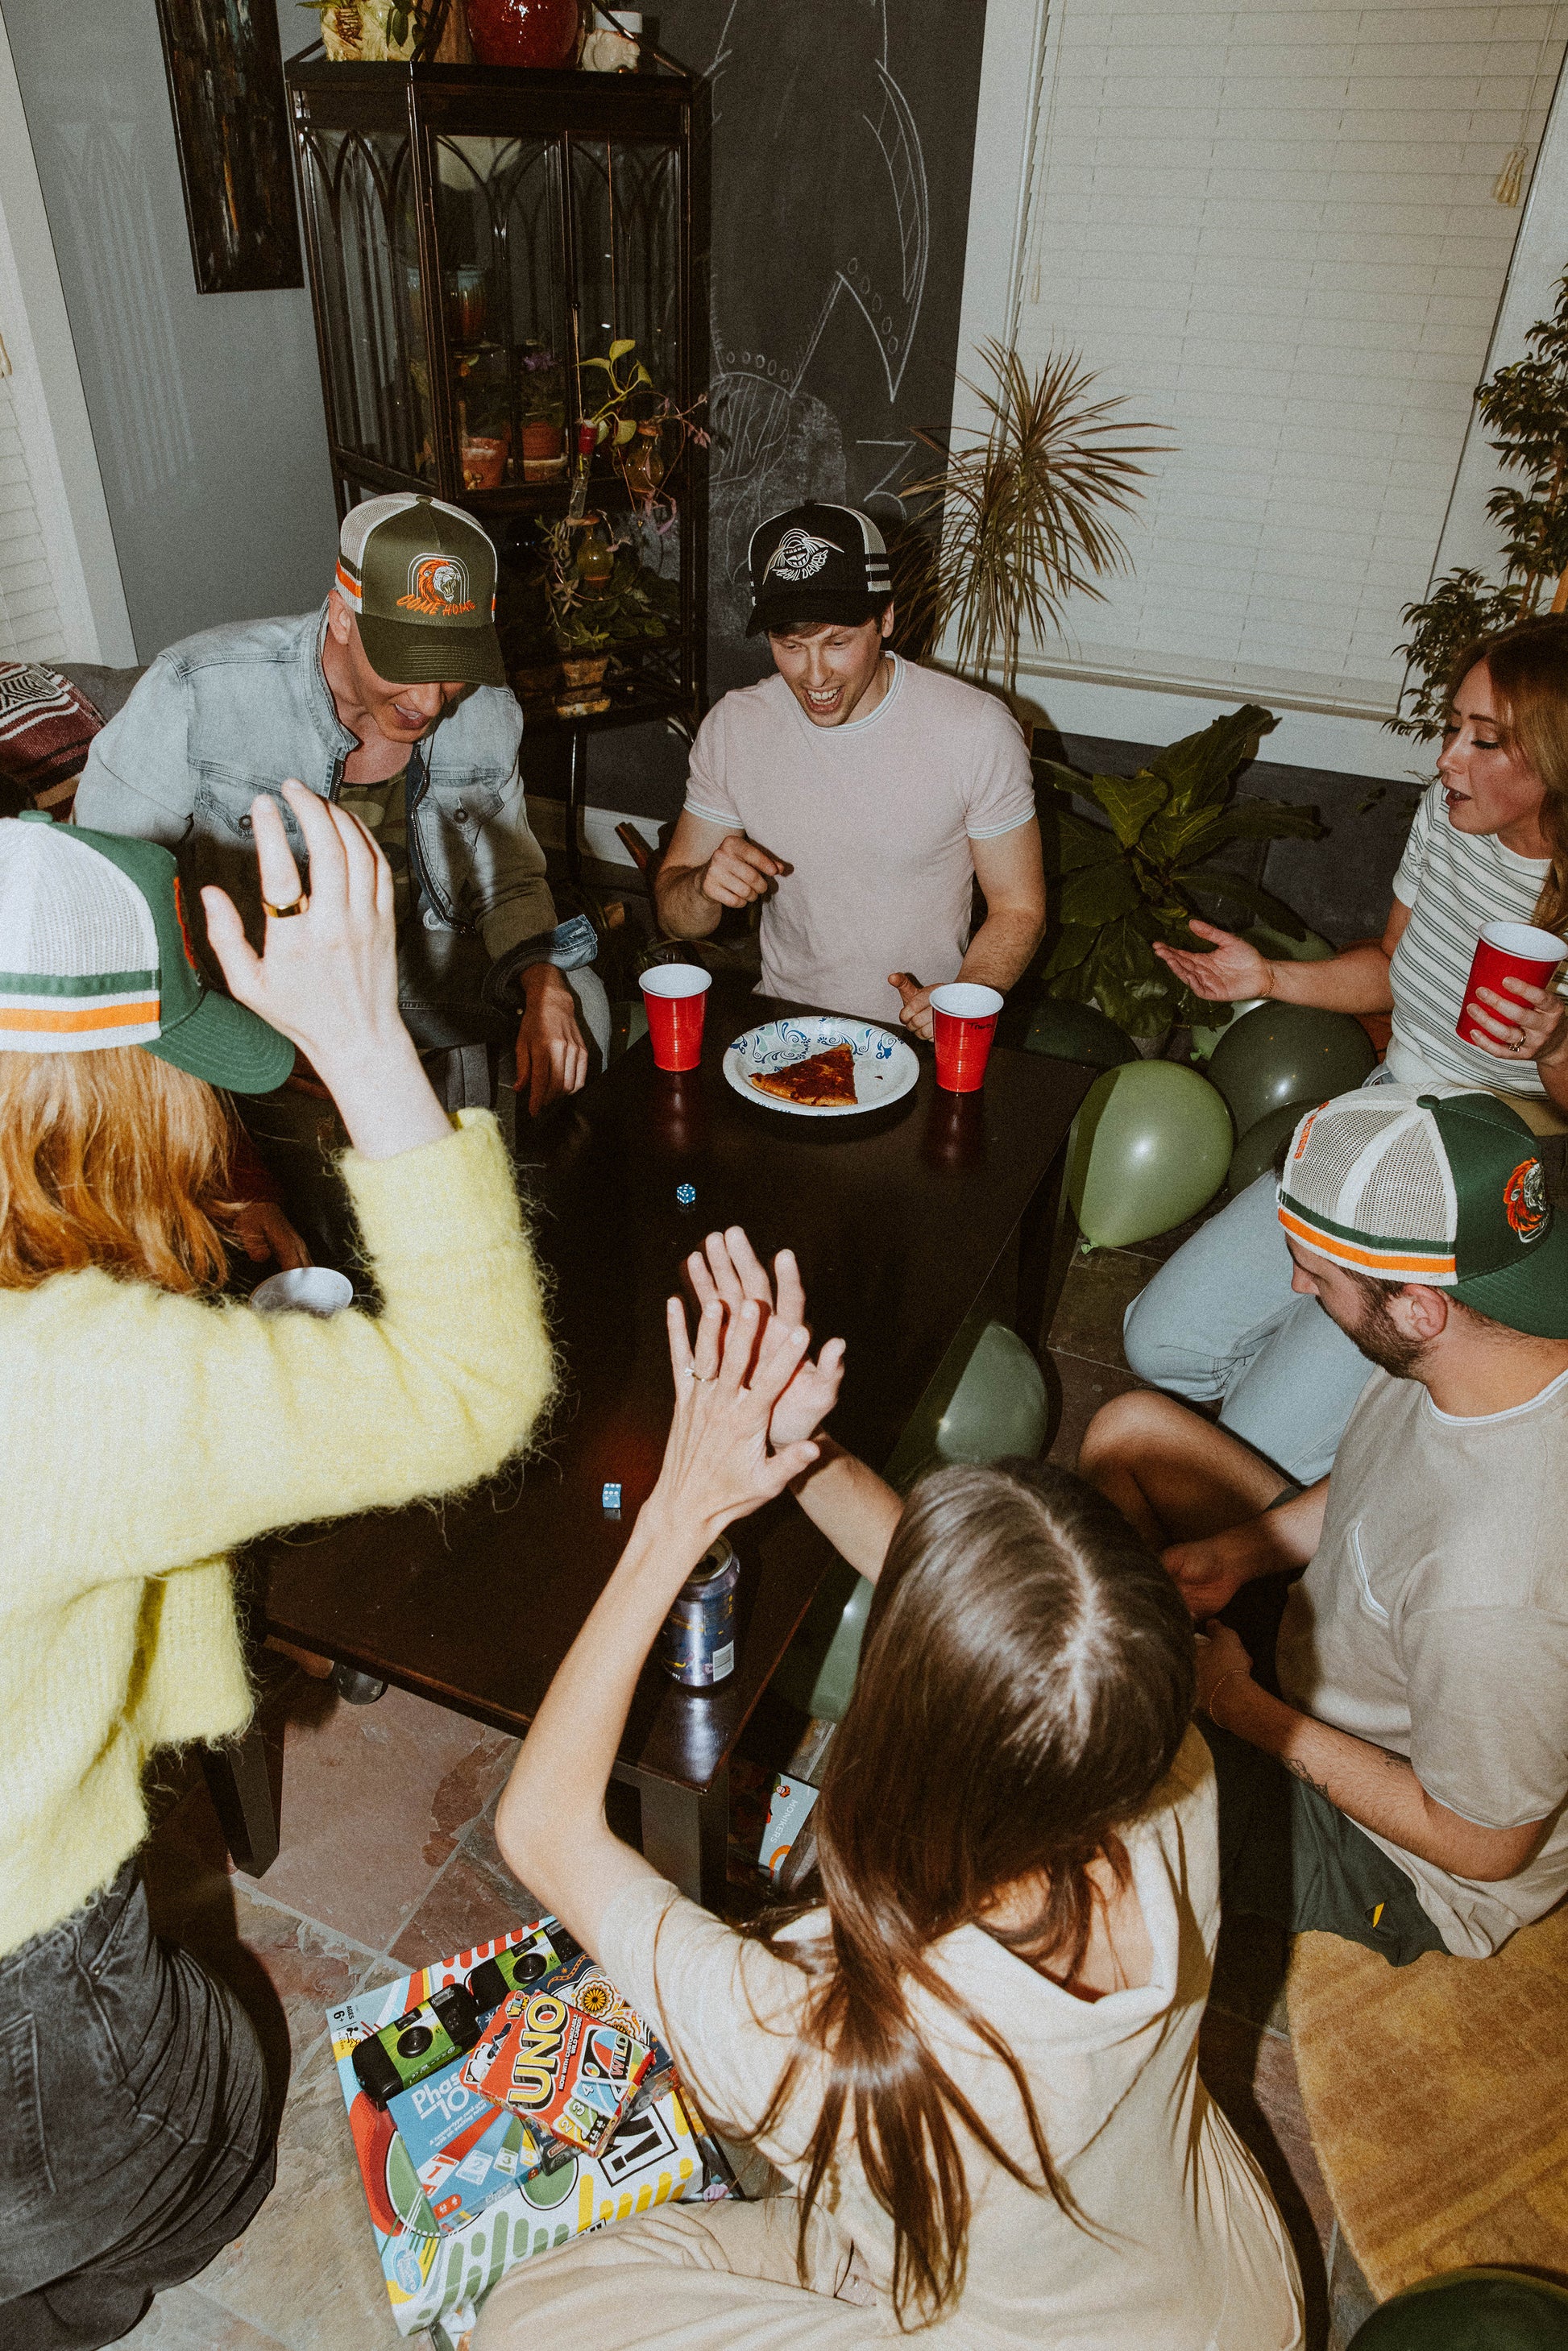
388, 1858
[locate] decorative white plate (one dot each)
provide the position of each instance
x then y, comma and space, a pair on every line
885, 1067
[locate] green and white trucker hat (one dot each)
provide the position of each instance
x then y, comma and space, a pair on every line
1450, 1190
420, 579
94, 952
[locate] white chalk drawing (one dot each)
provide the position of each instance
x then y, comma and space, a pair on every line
848, 214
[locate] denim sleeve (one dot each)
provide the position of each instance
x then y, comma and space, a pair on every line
137, 779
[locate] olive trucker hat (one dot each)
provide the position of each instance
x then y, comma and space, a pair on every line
1450, 1190
817, 563
94, 952
420, 579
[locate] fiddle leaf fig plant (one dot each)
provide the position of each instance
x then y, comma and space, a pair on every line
1117, 886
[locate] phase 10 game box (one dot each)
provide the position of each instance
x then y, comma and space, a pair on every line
461, 2189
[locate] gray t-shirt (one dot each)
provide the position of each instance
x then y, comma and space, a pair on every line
1433, 1621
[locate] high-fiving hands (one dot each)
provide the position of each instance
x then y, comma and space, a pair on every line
728, 1269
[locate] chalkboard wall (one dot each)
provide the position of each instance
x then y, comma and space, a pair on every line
842, 146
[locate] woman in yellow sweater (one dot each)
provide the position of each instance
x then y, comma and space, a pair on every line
146, 1428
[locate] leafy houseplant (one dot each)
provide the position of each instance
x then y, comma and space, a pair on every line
1116, 887
1526, 405
1025, 513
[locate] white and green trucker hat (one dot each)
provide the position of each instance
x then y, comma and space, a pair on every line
419, 576
1447, 1189
94, 952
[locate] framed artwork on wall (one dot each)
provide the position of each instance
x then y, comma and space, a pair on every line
225, 64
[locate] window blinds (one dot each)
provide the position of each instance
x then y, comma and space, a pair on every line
1273, 227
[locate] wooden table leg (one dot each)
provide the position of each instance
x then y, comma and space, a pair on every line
685, 1836
241, 1789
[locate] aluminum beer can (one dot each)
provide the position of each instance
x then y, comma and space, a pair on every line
697, 1642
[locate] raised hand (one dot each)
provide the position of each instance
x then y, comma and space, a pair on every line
1232, 974
728, 1270
326, 977
718, 1465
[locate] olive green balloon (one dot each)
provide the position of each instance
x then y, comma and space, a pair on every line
1261, 1145
1289, 1053
1150, 1147
1470, 2310
1078, 1032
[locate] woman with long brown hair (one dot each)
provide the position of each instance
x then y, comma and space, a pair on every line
148, 1426
1489, 842
974, 2059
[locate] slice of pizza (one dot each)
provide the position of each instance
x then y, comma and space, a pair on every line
821, 1081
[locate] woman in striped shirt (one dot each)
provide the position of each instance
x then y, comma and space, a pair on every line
1490, 842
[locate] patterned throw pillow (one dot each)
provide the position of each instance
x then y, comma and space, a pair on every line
46, 726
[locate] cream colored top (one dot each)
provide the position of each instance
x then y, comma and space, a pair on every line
1191, 2254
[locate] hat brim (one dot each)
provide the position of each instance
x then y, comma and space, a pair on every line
227, 1046
1531, 1296
406, 653
778, 613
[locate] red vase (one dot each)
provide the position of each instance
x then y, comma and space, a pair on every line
523, 32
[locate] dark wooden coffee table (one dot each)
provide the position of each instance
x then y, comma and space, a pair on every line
900, 1219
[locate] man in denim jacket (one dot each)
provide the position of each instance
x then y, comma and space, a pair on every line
393, 699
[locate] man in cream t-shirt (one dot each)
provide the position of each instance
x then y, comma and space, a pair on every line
857, 795
1405, 1784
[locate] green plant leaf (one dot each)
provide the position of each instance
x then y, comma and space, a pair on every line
1255, 820
1069, 842
1069, 952
1199, 766
1059, 779
597, 362
1098, 894
625, 430
642, 376
1220, 885
1130, 802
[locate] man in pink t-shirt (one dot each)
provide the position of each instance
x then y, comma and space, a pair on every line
858, 796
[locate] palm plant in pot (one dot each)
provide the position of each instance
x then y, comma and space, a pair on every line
1026, 512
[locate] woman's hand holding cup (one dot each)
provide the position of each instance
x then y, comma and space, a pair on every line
1518, 1022
326, 977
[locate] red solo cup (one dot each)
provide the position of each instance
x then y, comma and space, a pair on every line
964, 1018
676, 997
1507, 951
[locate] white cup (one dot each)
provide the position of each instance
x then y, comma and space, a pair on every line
304, 1289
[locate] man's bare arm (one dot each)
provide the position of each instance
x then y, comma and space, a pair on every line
708, 867
1377, 1790
1010, 871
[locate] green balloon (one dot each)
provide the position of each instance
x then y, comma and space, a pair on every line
1470, 2310
1289, 1053
1260, 1146
1078, 1032
1150, 1147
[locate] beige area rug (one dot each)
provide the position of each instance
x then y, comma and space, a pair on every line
1438, 2097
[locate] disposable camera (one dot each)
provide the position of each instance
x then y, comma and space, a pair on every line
443, 2027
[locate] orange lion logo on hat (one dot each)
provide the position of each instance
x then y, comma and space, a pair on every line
437, 585
1524, 1198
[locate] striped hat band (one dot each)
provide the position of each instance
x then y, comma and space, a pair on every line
1442, 1187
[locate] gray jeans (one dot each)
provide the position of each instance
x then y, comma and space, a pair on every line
136, 2133
1221, 1320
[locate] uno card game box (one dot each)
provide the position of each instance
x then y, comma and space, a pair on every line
437, 2269
561, 2070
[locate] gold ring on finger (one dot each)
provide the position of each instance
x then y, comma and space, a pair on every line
295, 906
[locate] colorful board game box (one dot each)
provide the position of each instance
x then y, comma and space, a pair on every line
561, 2070
435, 2277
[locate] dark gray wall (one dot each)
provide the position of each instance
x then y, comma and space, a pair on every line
205, 408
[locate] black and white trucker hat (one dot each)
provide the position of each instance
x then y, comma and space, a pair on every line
817, 563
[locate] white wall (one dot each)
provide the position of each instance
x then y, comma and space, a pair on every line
1273, 229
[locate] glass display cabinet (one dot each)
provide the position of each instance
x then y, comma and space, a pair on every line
500, 267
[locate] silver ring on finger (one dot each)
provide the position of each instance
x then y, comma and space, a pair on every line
708, 1378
